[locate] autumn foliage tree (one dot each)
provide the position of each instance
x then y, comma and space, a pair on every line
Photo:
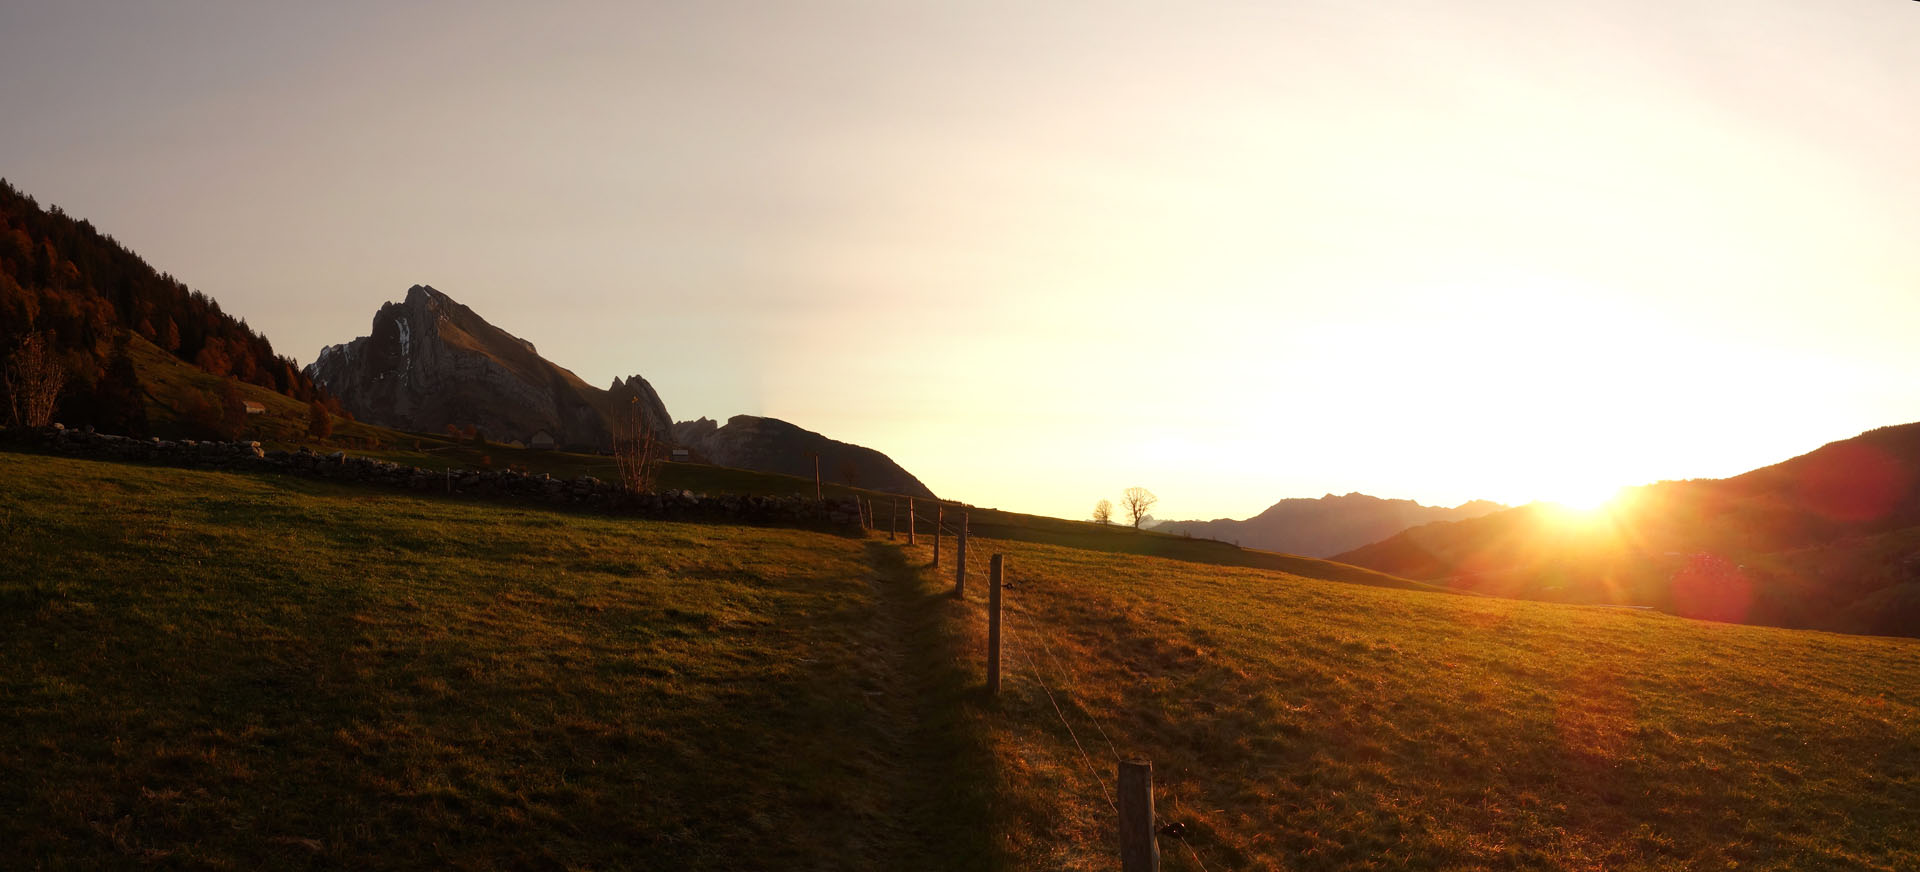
319, 423
221, 415
119, 400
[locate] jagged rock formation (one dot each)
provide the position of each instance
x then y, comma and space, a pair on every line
773, 445
1328, 525
431, 362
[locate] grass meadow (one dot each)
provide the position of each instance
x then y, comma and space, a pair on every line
215, 670
1297, 724
240, 671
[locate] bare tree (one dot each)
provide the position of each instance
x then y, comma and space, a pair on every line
1136, 501
635, 450
1103, 512
33, 380
319, 423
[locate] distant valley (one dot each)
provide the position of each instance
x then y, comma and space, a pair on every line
1326, 526
1827, 540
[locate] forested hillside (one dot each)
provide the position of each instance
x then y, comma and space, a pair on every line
68, 296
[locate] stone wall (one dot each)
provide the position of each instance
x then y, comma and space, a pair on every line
584, 492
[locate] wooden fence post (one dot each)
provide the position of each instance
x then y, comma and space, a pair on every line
999, 564
939, 518
911, 521
960, 561
1139, 852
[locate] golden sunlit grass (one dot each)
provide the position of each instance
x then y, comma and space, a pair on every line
225, 671
236, 671
1296, 724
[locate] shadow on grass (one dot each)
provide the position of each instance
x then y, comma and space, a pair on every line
950, 790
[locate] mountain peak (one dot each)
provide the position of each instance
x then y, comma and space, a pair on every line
1328, 525
430, 362
774, 445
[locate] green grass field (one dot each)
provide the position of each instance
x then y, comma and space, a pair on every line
233, 671
218, 670
1296, 724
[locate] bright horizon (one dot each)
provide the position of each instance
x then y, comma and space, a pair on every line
1443, 252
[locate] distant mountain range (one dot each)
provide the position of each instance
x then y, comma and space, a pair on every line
773, 445
1326, 526
1828, 540
430, 362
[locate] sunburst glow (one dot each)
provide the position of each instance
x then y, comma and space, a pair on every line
1589, 498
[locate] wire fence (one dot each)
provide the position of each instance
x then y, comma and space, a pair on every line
1020, 638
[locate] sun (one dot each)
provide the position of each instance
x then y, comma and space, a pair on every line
1586, 497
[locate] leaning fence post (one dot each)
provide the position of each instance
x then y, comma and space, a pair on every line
939, 518
999, 564
1139, 852
960, 560
893, 519
911, 521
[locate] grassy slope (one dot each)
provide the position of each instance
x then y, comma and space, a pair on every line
250, 671
1823, 540
169, 381
234, 671
1302, 725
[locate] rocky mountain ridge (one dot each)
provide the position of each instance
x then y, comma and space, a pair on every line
773, 445
430, 362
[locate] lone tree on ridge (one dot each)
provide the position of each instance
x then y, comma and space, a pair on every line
1136, 501
1103, 512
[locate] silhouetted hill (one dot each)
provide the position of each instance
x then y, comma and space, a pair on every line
773, 445
1326, 526
81, 292
431, 363
1829, 539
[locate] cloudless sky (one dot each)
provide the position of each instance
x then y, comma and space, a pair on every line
1040, 252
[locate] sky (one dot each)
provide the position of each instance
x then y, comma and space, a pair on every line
1042, 252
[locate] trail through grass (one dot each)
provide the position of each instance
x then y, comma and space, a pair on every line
232, 671
236, 671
